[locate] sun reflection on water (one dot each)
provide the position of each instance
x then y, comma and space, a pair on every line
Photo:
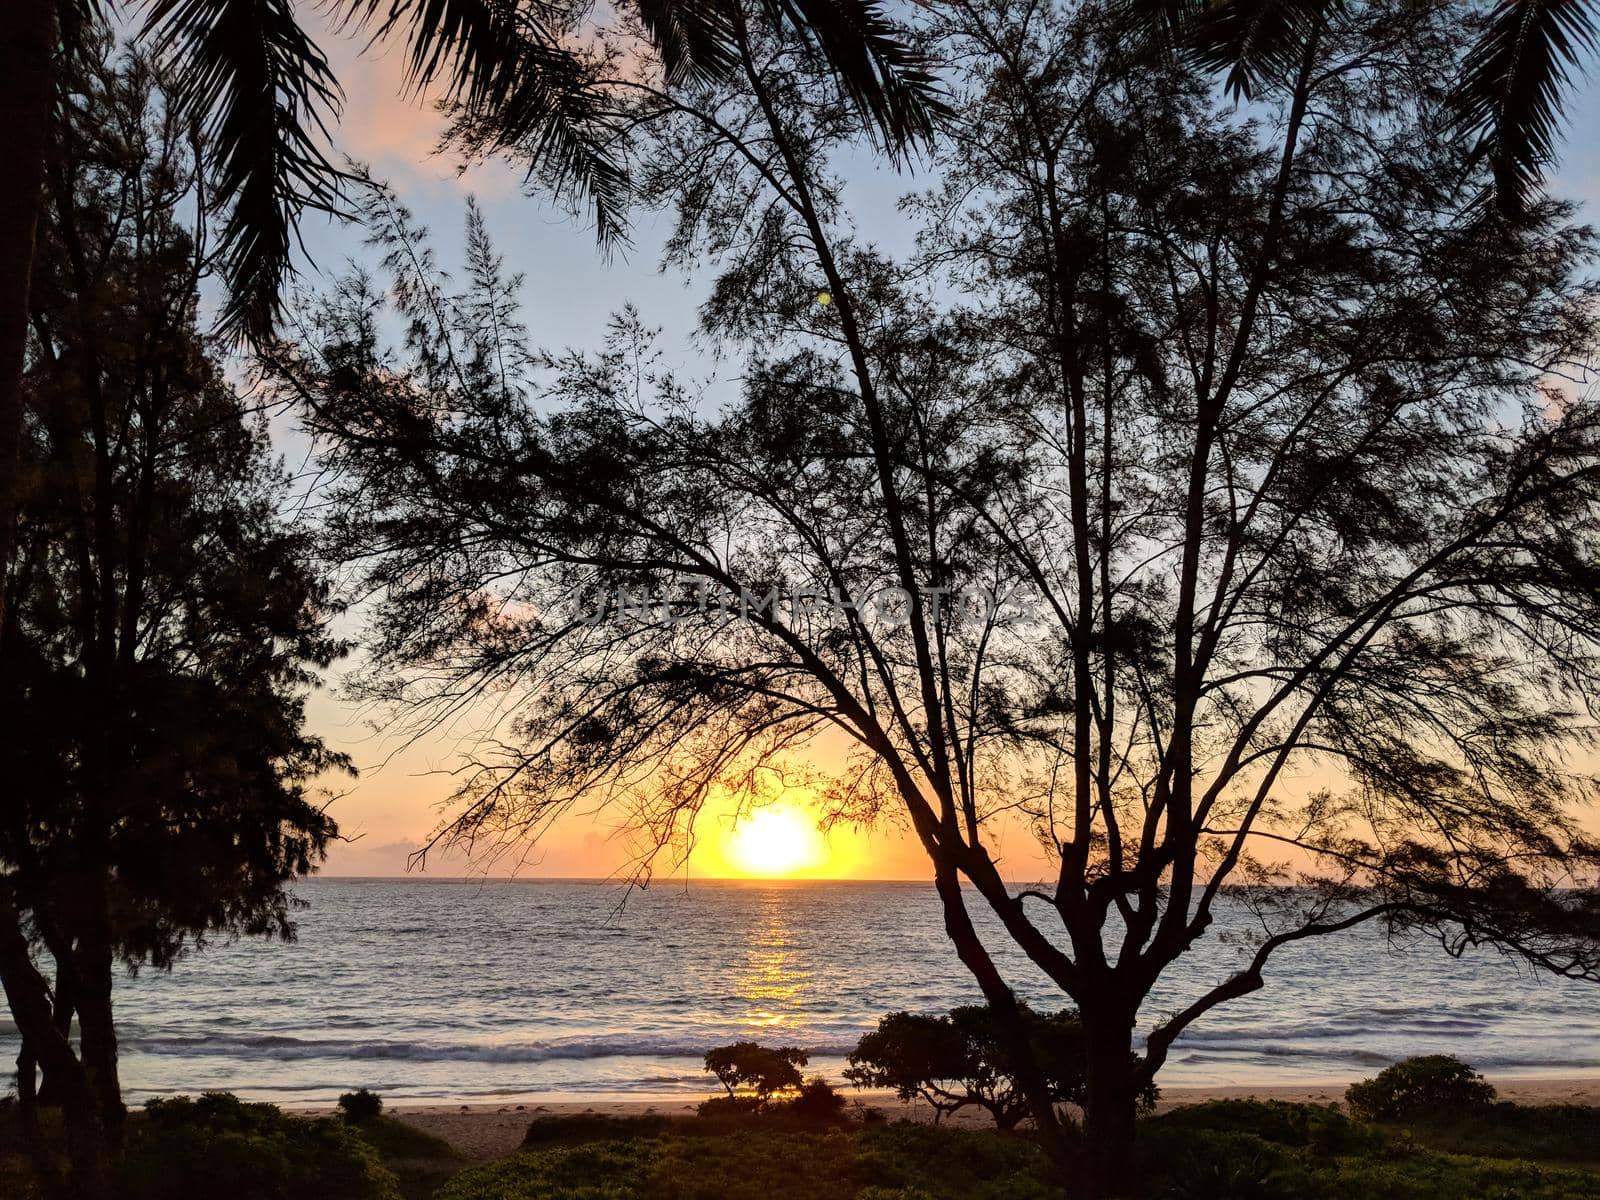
774, 982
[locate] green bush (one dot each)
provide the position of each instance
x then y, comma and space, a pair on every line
219, 1146
1429, 1085
1233, 1150
568, 1129
769, 1160
1229, 1166
1545, 1133
1322, 1129
817, 1101
360, 1105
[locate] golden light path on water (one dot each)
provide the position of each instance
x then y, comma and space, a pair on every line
774, 982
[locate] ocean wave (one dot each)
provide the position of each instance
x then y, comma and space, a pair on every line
283, 1047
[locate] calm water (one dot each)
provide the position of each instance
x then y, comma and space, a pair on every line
479, 990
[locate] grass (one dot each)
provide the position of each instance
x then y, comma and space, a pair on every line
420, 1162
1228, 1150
763, 1159
1558, 1133
1248, 1150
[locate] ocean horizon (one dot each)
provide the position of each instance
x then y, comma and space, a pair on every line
480, 989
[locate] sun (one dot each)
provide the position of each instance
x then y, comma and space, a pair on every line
774, 842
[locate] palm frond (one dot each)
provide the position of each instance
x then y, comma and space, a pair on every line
1253, 40
695, 38
515, 85
887, 78
1513, 88
1163, 23
262, 93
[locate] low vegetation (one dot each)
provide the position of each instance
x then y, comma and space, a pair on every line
958, 1060
219, 1146
1428, 1085
360, 1106
1232, 1150
802, 1144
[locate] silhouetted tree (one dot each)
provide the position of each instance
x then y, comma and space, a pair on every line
1508, 99
764, 1071
165, 621
246, 72
1207, 486
960, 1060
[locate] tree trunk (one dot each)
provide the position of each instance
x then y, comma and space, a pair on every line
28, 996
64, 1008
27, 36
1007, 1019
28, 1114
97, 1035
1110, 1168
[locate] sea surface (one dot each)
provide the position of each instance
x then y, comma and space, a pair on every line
481, 990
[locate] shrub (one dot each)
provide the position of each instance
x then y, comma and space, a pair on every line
1228, 1168
728, 1106
769, 1160
764, 1070
1325, 1130
569, 1129
1548, 1133
360, 1105
1420, 1087
817, 1101
958, 1060
219, 1146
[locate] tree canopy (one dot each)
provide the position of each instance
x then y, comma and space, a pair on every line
166, 618
960, 1059
1211, 485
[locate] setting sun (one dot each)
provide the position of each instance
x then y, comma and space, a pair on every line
775, 841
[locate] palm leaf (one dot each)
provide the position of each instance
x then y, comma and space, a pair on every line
695, 38
1253, 40
262, 93
502, 64
1513, 88
885, 77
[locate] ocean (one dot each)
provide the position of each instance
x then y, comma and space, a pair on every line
485, 990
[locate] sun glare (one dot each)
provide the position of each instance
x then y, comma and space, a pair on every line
775, 841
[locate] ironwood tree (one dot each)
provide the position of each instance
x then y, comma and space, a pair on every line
166, 620
1216, 486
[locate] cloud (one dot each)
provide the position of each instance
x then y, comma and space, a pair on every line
391, 128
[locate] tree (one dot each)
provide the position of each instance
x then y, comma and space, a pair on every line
263, 92
166, 621
1508, 99
763, 1070
1205, 486
958, 1060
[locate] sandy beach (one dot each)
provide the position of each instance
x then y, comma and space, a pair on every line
490, 1130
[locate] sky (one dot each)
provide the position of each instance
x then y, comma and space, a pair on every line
569, 293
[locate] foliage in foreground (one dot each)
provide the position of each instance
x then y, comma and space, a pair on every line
1429, 1084
220, 1146
768, 1159
360, 1105
960, 1059
1229, 1150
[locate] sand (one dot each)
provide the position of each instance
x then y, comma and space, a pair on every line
490, 1130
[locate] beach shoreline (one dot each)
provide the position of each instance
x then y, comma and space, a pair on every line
487, 1129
